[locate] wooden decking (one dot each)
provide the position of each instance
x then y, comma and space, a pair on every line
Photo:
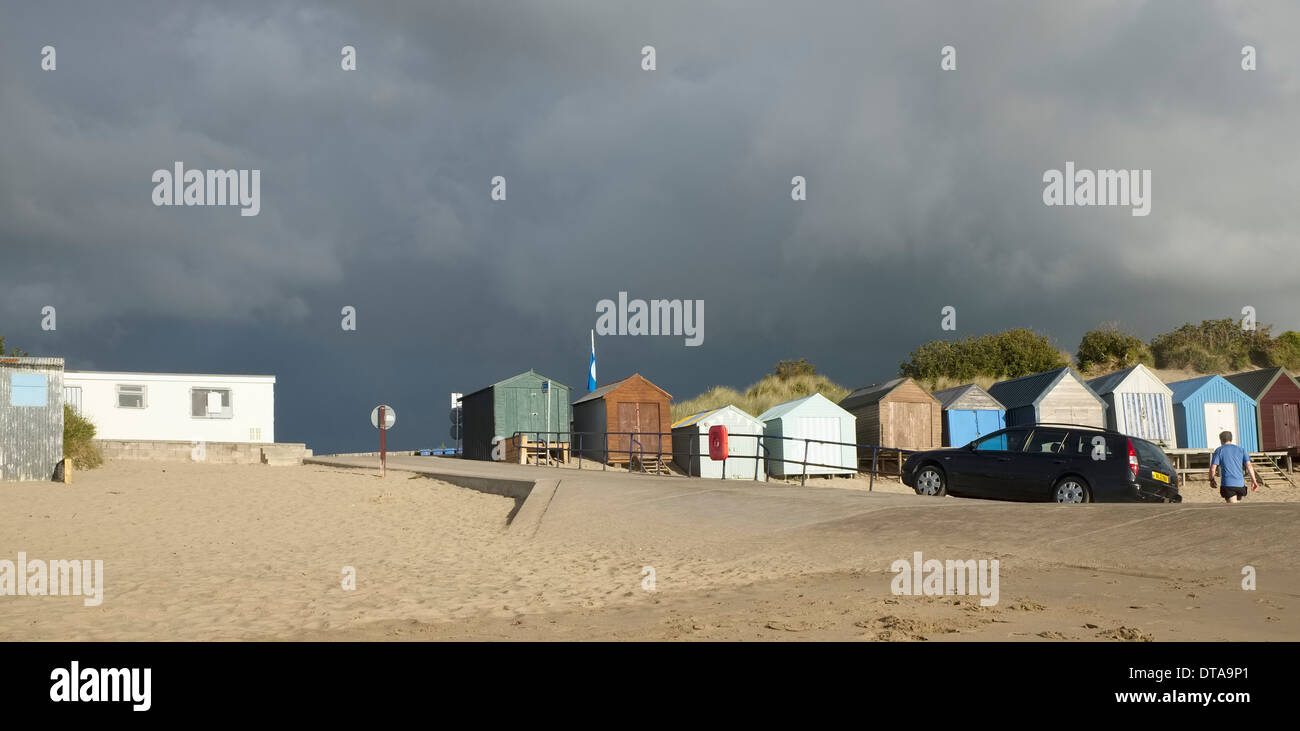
889, 461
1274, 468
522, 450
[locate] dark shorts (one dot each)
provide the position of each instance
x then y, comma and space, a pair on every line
1228, 492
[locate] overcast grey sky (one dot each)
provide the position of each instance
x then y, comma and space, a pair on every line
924, 186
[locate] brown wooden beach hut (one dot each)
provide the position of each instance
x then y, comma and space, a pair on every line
898, 414
634, 413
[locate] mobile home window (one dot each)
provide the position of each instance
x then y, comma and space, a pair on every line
72, 397
28, 389
130, 397
210, 403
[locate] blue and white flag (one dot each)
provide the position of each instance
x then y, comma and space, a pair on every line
591, 373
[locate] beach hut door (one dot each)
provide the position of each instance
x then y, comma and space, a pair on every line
1144, 416
1286, 424
627, 423
1220, 417
826, 428
642, 419
647, 415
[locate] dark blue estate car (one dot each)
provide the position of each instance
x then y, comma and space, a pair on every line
1064, 463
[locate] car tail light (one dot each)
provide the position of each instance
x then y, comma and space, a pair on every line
1132, 459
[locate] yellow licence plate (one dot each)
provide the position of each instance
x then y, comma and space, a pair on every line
1160, 476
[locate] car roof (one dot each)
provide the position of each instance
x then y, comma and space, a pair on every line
1063, 425
1089, 427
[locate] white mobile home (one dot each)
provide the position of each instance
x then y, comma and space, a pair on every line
174, 406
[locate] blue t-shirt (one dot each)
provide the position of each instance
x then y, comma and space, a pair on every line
1231, 460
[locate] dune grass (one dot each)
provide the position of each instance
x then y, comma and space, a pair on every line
761, 396
944, 382
79, 441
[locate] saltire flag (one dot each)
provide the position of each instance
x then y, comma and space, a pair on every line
591, 372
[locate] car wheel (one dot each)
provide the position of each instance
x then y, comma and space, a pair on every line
930, 481
1071, 490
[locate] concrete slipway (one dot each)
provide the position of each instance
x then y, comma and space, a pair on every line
826, 528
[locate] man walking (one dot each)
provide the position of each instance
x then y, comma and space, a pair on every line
1233, 462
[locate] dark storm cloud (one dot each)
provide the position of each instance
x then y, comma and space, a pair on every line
924, 187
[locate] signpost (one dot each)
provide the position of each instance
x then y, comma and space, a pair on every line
457, 425
383, 418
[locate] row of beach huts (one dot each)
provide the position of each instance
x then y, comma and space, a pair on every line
628, 422
143, 415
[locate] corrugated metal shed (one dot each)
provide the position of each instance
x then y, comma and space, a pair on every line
1277, 401
31, 417
810, 417
1197, 401
1058, 396
691, 444
527, 402
969, 412
1138, 403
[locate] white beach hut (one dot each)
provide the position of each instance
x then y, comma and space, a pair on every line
691, 444
811, 417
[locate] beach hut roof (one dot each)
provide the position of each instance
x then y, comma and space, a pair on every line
868, 395
1029, 390
698, 417
949, 396
603, 390
782, 409
36, 362
1108, 383
505, 381
1256, 383
1184, 390
600, 392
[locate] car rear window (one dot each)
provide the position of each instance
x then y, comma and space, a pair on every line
1149, 453
1080, 443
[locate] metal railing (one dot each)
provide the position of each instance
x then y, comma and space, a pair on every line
542, 444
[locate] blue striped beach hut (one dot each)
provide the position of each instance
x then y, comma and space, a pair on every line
1140, 404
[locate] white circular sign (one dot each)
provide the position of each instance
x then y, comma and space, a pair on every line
390, 417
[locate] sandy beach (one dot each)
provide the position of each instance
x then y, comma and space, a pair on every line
219, 552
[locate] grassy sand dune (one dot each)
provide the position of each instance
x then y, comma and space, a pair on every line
761, 396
